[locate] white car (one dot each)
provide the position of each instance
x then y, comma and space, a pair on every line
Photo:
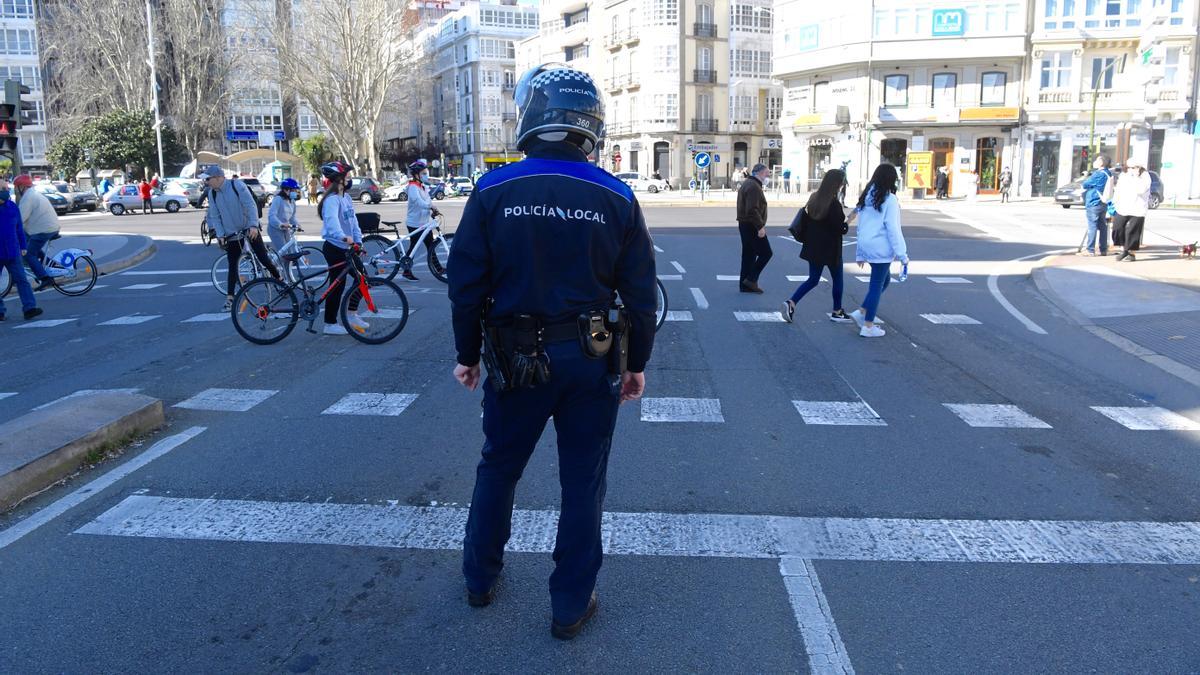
188, 187
127, 198
639, 182
461, 184
396, 193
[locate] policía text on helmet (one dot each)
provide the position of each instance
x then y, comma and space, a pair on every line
551, 211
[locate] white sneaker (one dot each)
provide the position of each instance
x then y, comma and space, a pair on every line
858, 317
335, 329
871, 331
788, 311
356, 322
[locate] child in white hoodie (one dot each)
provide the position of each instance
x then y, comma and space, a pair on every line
880, 241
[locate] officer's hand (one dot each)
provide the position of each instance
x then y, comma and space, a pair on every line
633, 385
762, 233
467, 376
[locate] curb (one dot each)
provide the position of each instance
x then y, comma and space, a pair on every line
129, 261
1165, 363
110, 419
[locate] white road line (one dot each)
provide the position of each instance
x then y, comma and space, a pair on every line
44, 323
728, 277
130, 320
950, 280
202, 318
822, 641
658, 250
993, 284
764, 317
7, 394
678, 267
666, 534
1147, 418
839, 413
951, 319
682, 410
150, 273
197, 284
81, 495
227, 400
803, 277
865, 280
673, 315
88, 392
384, 405
670, 277
141, 287
701, 301
995, 416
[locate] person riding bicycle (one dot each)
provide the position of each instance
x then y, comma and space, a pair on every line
339, 229
420, 207
41, 225
13, 245
232, 216
281, 217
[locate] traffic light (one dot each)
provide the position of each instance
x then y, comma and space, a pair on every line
12, 116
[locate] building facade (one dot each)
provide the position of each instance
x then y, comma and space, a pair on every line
19, 60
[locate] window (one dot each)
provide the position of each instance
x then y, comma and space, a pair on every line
1171, 67
820, 94
491, 48
1102, 72
664, 12
577, 18
17, 42
666, 108
504, 17
749, 18
774, 108
33, 146
490, 106
704, 13
255, 122
944, 90
750, 62
308, 123
26, 75
991, 88
895, 91
704, 106
1112, 13
489, 78
704, 58
16, 9
255, 98
37, 116
633, 109
1056, 70
743, 109
666, 58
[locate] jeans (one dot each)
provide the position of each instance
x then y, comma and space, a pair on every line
756, 252
1097, 225
24, 289
33, 253
584, 408
814, 278
881, 276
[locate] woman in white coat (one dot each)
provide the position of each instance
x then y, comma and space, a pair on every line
420, 207
880, 241
1131, 201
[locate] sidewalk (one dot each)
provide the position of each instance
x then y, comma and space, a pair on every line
1149, 308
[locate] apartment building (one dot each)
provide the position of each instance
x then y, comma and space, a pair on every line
19, 60
1090, 87
473, 76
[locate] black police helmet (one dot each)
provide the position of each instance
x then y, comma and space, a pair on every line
557, 100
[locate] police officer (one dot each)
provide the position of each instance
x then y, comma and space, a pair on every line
543, 248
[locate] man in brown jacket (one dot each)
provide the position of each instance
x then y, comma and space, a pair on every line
752, 226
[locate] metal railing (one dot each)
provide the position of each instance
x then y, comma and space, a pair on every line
1055, 97
704, 76
705, 125
704, 30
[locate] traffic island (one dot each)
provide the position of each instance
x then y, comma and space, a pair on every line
48, 444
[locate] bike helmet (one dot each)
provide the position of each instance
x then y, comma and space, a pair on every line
335, 170
418, 166
22, 182
558, 103
289, 184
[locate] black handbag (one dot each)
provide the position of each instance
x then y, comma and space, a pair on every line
797, 229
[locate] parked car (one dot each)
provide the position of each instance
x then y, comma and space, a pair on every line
77, 200
60, 203
127, 198
638, 182
190, 188
461, 185
1071, 194
258, 190
396, 193
365, 190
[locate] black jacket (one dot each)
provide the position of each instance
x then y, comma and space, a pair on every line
823, 238
552, 236
752, 204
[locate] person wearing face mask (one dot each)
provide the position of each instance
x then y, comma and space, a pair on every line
420, 206
281, 217
13, 245
752, 226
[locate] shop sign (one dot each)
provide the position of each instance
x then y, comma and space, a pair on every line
920, 170
808, 37
976, 114
810, 120
949, 22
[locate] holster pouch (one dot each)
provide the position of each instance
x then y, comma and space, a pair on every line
617, 323
497, 365
595, 339
529, 362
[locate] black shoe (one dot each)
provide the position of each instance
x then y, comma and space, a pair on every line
569, 632
745, 287
33, 313
1128, 257
481, 599
410, 276
754, 287
43, 284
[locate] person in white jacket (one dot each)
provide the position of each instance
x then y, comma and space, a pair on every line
420, 207
880, 241
1131, 201
340, 231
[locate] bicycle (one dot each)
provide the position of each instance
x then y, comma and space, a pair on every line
249, 266
207, 234
304, 263
73, 271
386, 257
660, 311
266, 310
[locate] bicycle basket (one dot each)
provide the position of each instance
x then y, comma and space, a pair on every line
368, 221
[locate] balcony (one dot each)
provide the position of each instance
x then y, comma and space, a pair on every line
614, 40
632, 37
700, 76
631, 80
619, 128
1054, 97
704, 30
705, 125
509, 86
508, 117
1112, 98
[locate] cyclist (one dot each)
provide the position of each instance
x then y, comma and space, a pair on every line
41, 226
339, 229
232, 215
420, 207
281, 217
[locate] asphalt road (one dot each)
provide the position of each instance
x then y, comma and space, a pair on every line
287, 537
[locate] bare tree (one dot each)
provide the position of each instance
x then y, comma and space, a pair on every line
195, 68
344, 59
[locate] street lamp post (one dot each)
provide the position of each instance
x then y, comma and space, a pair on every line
1092, 147
154, 85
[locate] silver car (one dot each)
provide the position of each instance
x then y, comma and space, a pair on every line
192, 190
124, 198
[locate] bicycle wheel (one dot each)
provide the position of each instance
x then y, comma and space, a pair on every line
380, 259
205, 233
312, 262
81, 281
381, 317
439, 257
660, 312
265, 311
247, 268
6, 282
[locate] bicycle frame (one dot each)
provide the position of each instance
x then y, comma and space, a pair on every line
426, 230
310, 295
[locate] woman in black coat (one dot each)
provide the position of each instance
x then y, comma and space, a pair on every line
821, 224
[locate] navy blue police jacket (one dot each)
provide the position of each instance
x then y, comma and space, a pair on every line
552, 236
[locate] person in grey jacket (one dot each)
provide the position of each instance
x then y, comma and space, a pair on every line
233, 216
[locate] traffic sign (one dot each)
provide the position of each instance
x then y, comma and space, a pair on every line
703, 159
716, 158
692, 184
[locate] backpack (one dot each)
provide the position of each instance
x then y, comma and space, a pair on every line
1106, 195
